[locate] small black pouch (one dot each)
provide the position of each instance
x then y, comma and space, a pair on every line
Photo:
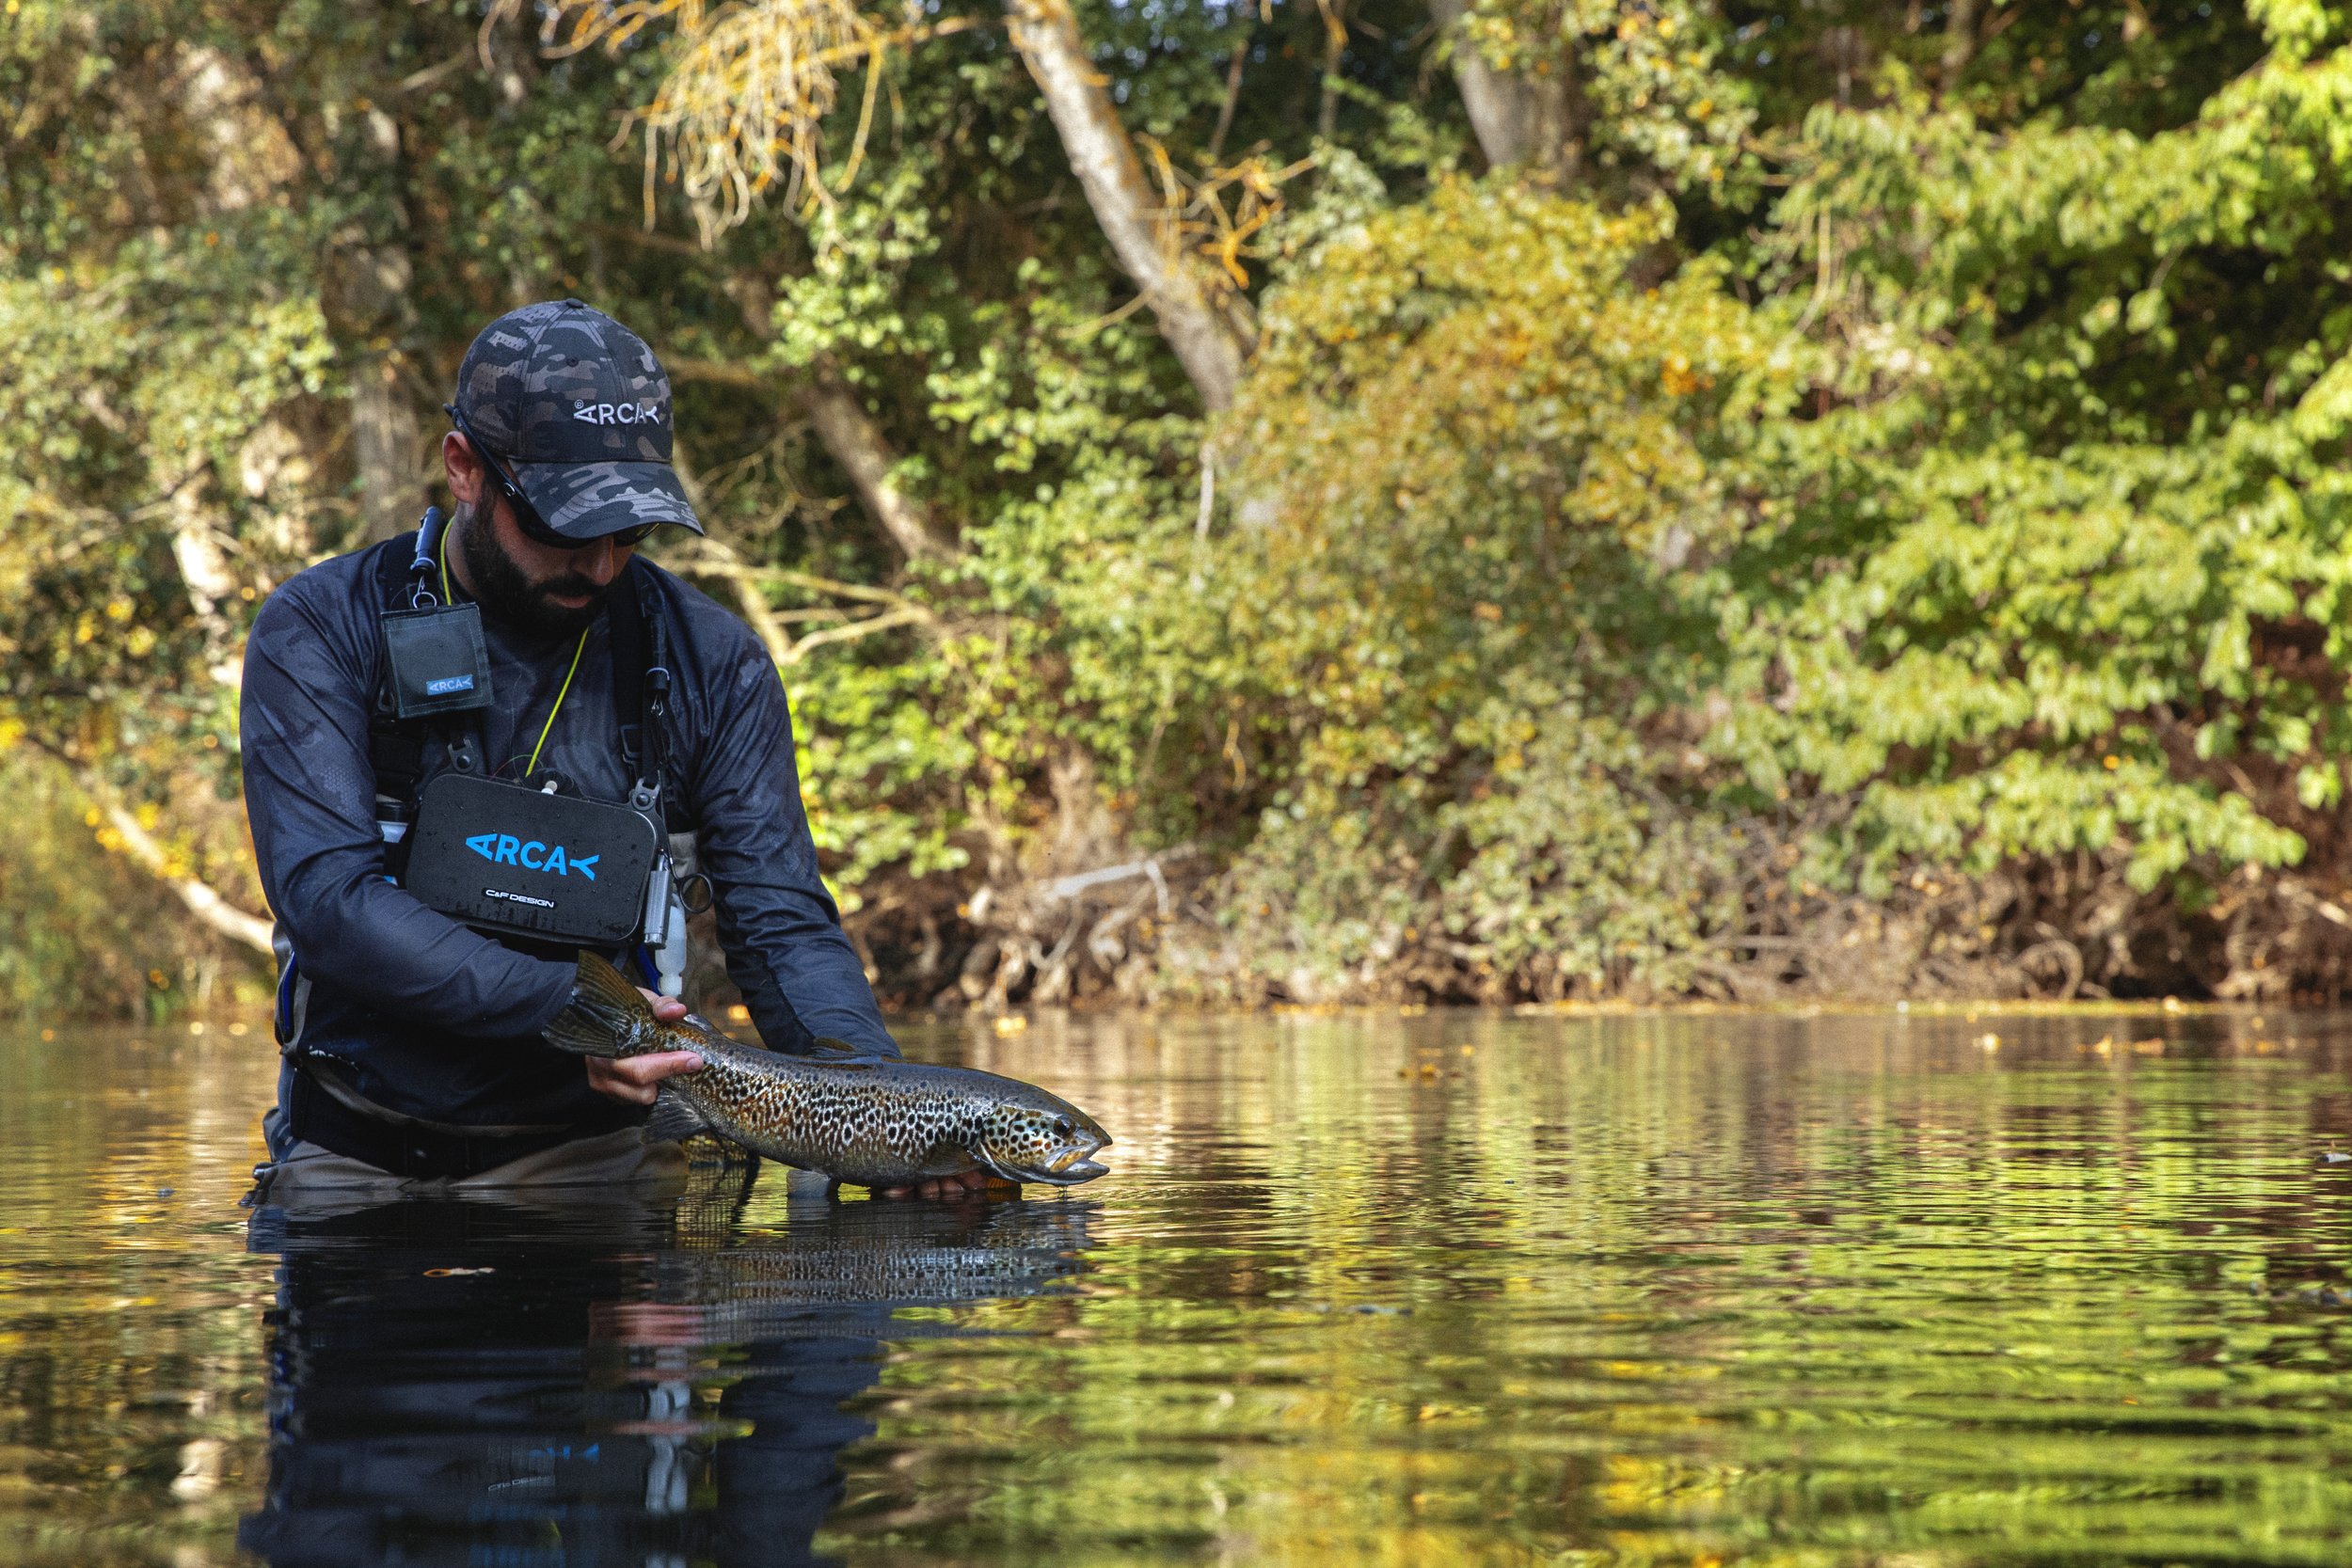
436, 660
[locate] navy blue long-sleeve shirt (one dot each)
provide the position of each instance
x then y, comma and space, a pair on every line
434, 1019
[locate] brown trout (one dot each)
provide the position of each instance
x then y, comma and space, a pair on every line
871, 1120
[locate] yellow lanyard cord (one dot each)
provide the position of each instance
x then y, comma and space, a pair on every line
564, 690
578, 648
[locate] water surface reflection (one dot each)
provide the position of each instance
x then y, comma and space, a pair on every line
585, 1378
1617, 1291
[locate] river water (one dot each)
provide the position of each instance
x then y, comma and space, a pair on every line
1688, 1290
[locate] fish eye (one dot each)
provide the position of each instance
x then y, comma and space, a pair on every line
1061, 1127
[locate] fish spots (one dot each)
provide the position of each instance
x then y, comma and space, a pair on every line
874, 1127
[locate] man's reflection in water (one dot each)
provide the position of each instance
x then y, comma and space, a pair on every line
602, 1382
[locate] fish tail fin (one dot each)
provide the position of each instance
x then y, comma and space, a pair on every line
604, 1015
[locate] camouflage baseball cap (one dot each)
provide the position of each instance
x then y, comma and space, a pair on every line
578, 408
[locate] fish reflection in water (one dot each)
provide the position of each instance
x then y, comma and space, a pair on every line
478, 1381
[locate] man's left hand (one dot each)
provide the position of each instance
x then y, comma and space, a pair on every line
637, 1079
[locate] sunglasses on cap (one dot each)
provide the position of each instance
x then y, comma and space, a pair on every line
526, 515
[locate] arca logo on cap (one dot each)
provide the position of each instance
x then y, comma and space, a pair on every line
617, 413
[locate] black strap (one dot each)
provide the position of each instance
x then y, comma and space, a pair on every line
396, 747
641, 692
625, 613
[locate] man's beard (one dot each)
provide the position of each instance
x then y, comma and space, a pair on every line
506, 594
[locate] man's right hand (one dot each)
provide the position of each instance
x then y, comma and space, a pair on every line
637, 1079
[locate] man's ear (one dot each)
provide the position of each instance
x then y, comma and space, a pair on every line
462, 469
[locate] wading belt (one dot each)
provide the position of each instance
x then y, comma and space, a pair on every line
323, 1109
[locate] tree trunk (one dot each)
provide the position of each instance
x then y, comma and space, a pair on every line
1517, 118
857, 444
1960, 41
1103, 158
249, 159
511, 64
367, 277
386, 439
854, 441
206, 573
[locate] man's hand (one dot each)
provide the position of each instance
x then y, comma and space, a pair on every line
635, 1078
970, 1184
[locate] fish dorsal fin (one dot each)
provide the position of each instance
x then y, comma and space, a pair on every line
835, 1052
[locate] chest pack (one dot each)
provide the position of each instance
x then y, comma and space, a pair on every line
506, 857
502, 856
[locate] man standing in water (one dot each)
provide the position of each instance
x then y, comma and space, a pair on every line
466, 753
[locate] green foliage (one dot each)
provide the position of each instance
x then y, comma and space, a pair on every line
2030, 586
1880, 451
1475, 455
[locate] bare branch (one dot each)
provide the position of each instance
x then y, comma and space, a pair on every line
885, 622
743, 109
856, 443
1232, 98
202, 900
716, 372
1103, 156
1334, 52
716, 559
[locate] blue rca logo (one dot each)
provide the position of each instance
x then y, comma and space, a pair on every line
532, 855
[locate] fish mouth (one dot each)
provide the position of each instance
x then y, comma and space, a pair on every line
1064, 1169
1077, 1165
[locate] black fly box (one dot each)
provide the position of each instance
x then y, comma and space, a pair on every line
558, 867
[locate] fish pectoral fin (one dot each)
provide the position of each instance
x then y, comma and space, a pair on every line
948, 1159
674, 1118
